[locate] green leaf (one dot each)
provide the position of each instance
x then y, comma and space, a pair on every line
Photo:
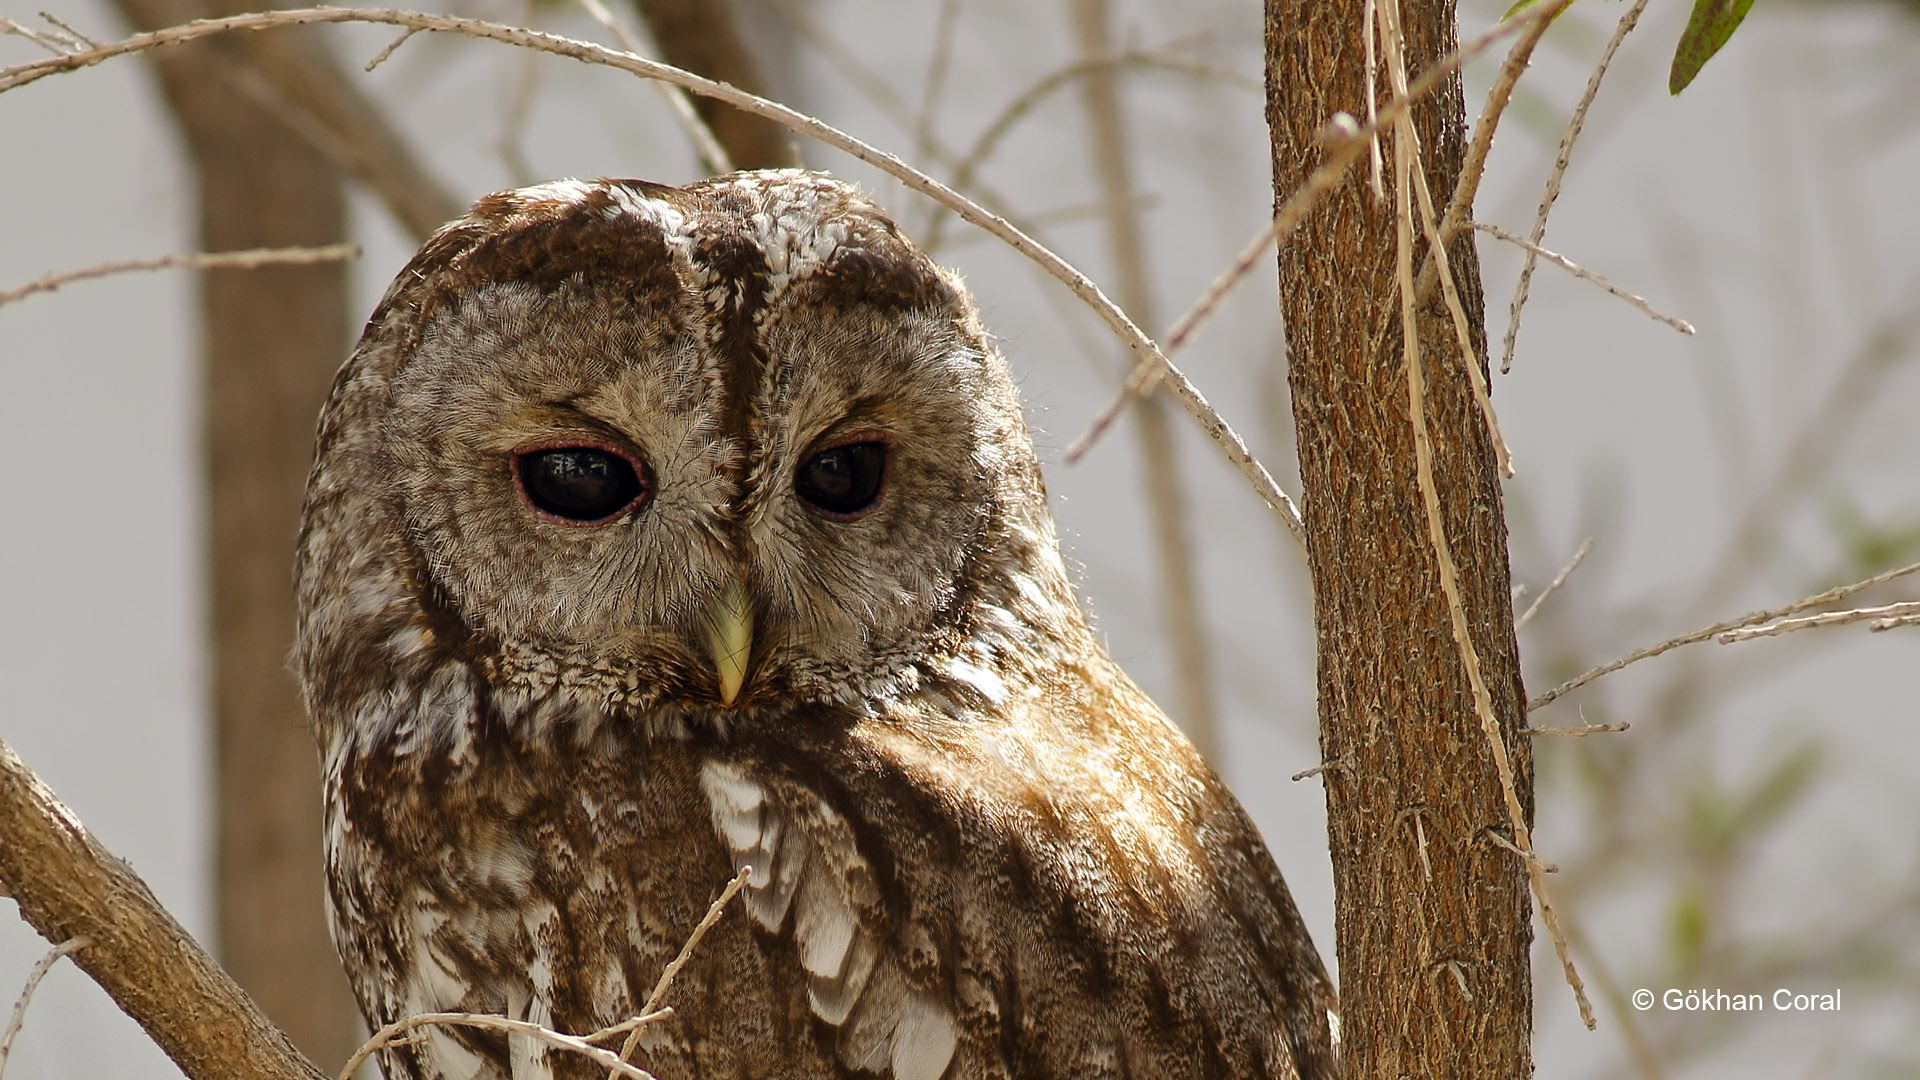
1522, 5
1712, 23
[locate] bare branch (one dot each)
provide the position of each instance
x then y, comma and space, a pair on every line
69, 887
193, 260
713, 157
1832, 595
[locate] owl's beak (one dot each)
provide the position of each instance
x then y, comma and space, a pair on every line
730, 638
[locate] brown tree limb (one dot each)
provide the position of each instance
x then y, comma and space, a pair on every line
699, 35
68, 886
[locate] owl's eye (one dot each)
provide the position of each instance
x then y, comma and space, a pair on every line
843, 481
578, 483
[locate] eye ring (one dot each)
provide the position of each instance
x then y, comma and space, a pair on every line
844, 479
579, 482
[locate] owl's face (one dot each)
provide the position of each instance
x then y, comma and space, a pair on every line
711, 446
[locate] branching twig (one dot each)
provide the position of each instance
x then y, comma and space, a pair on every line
1554, 178
39, 971
713, 156
193, 260
1832, 595
660, 988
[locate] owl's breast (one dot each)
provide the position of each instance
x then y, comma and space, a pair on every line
552, 884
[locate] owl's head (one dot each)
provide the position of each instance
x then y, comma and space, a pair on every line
706, 448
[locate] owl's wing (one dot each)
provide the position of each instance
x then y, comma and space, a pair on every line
971, 896
805, 863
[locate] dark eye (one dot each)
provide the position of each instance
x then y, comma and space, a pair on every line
844, 480
578, 483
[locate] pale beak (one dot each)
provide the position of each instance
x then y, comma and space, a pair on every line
730, 639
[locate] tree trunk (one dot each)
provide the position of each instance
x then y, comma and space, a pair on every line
1432, 917
271, 340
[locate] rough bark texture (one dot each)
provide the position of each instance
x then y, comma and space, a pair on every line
271, 340
699, 35
1433, 919
67, 886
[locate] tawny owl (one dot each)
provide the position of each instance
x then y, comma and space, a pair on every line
657, 532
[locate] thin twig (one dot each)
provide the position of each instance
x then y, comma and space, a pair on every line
55, 43
1891, 614
1832, 595
1576, 732
386, 53
967, 167
40, 968
582, 1045
667, 976
1579, 554
1585, 274
1405, 155
1554, 178
75, 36
249, 259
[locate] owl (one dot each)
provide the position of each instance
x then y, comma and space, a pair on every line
656, 533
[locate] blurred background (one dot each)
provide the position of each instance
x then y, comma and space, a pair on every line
1758, 827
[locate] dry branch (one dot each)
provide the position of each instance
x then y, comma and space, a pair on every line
68, 886
192, 260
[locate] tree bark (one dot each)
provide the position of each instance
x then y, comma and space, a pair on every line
271, 340
1432, 917
69, 887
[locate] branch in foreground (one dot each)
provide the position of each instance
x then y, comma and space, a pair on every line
68, 886
192, 260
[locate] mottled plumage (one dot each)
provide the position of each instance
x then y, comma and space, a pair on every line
828, 635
